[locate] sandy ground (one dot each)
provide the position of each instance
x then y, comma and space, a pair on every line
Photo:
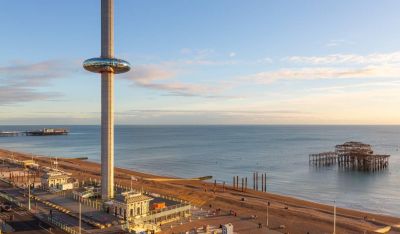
298, 216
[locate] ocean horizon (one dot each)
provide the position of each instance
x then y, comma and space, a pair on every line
224, 151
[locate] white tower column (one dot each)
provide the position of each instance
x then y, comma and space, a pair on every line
107, 65
107, 101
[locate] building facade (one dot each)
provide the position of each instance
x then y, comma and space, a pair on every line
129, 205
55, 180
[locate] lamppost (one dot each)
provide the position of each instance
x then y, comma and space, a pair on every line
80, 217
334, 217
268, 214
29, 193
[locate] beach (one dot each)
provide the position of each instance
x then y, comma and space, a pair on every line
297, 215
227, 151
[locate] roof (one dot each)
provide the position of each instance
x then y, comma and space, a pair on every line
51, 175
354, 146
131, 197
28, 161
81, 190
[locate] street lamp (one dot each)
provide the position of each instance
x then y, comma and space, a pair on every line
268, 214
334, 217
80, 217
29, 193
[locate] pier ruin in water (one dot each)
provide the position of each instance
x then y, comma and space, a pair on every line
352, 155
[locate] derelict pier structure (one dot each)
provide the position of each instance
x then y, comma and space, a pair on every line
352, 155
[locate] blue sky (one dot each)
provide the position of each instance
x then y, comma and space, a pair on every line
204, 62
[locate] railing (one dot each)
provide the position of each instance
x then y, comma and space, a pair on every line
97, 205
126, 188
63, 226
181, 208
174, 207
11, 199
51, 220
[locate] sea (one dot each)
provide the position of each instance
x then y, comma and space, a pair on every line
227, 151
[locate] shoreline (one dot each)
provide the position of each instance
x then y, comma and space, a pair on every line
148, 173
292, 211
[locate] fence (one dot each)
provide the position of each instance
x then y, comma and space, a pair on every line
63, 226
98, 205
53, 221
11, 199
165, 214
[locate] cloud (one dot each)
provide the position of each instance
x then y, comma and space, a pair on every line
14, 94
346, 59
334, 66
335, 43
315, 73
194, 116
197, 53
146, 74
203, 57
186, 51
19, 81
159, 77
265, 60
177, 111
34, 74
358, 86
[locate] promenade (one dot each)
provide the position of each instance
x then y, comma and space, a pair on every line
286, 214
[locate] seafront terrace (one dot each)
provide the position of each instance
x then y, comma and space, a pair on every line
64, 205
282, 208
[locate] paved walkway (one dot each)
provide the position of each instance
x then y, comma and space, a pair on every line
73, 205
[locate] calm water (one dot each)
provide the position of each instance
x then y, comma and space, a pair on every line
224, 151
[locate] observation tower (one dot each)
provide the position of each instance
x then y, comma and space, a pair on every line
107, 66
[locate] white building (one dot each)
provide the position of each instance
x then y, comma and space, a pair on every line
56, 180
128, 205
227, 228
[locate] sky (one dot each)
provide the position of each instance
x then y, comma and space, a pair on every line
204, 62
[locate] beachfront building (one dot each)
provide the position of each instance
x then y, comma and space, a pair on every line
146, 211
12, 172
29, 164
129, 205
56, 180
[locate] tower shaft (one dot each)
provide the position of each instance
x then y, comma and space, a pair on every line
107, 135
107, 28
107, 102
107, 65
